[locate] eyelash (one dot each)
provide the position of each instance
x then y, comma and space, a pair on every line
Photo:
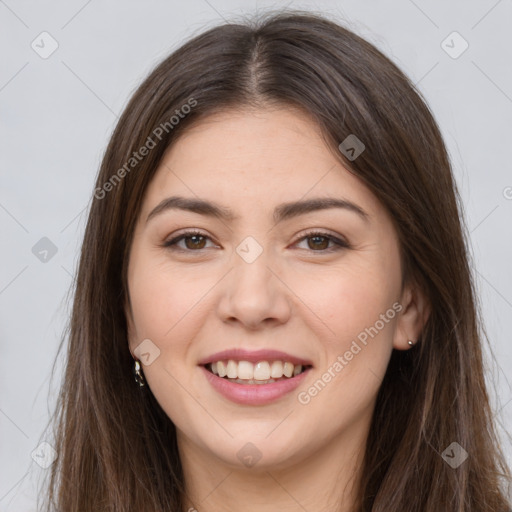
339, 244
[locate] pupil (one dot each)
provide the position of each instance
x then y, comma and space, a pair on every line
323, 246
194, 244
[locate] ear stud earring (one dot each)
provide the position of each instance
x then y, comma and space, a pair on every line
137, 374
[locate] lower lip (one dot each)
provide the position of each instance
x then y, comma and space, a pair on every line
253, 394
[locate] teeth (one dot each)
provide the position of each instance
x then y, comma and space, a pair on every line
232, 369
262, 372
276, 370
245, 370
288, 369
221, 369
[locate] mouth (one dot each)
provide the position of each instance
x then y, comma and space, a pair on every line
259, 373
254, 377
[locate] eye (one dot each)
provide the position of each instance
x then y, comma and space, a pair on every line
194, 241
319, 241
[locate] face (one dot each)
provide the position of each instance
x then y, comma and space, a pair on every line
259, 285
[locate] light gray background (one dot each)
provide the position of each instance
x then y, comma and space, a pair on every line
57, 115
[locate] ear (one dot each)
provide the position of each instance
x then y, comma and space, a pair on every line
412, 317
131, 332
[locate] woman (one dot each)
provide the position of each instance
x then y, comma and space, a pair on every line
274, 308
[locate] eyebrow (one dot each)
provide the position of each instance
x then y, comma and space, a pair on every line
282, 212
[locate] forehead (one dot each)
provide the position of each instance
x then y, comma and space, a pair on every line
253, 158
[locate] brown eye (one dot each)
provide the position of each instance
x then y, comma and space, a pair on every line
192, 242
323, 242
318, 242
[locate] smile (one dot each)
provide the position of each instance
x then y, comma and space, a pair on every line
252, 391
262, 372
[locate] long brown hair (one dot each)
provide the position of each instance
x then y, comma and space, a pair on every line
116, 447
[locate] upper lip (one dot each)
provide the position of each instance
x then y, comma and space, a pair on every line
254, 356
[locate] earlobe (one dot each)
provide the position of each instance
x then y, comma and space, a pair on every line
130, 330
412, 318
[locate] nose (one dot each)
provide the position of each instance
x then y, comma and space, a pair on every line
254, 295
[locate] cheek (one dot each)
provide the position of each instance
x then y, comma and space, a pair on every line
158, 303
163, 295
167, 310
362, 313
357, 306
347, 299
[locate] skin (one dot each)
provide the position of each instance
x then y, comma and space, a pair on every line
296, 297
